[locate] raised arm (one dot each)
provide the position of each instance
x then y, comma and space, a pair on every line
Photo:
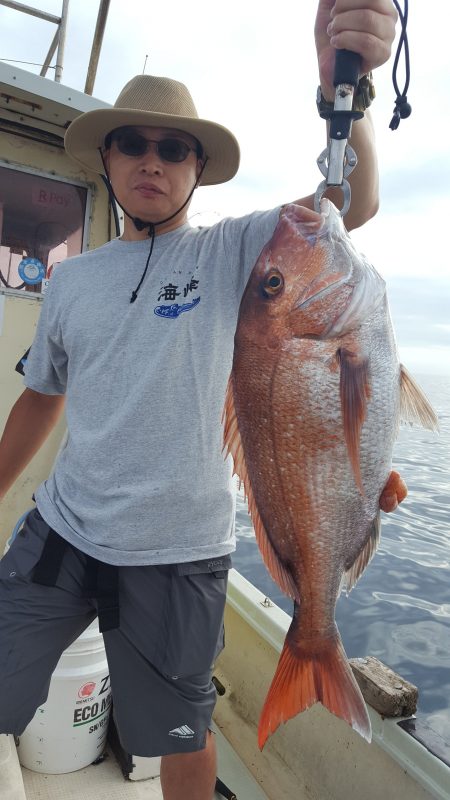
366, 27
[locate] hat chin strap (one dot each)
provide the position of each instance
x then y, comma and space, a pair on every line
141, 224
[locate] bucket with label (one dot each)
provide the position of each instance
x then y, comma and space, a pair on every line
68, 731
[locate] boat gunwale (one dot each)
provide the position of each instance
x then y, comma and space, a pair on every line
271, 623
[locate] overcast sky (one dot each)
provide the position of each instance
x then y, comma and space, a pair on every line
251, 66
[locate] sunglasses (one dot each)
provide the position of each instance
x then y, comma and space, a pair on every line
131, 143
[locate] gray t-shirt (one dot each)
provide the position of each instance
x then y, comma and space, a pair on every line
142, 478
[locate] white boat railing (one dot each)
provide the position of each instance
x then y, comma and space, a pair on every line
59, 39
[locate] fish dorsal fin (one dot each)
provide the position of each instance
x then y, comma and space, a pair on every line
233, 446
354, 572
414, 406
355, 392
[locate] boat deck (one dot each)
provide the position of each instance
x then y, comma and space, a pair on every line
105, 781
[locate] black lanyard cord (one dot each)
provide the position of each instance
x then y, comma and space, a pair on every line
151, 233
402, 108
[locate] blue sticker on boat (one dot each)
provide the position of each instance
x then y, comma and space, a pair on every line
174, 311
31, 270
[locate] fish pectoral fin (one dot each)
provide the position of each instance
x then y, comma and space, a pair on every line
414, 406
354, 392
354, 572
233, 446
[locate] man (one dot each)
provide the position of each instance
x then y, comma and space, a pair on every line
136, 338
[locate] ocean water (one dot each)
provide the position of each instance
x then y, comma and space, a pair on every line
399, 610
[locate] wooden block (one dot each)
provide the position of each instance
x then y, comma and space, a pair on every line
383, 689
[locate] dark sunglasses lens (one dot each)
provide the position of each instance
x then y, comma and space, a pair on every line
173, 150
131, 144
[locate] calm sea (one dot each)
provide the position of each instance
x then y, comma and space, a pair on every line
400, 609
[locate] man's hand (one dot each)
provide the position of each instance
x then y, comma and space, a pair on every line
366, 27
393, 493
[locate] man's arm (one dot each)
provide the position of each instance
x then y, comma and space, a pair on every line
366, 27
30, 422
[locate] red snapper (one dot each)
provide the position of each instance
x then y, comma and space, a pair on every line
312, 411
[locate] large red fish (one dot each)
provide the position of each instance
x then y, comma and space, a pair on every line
313, 407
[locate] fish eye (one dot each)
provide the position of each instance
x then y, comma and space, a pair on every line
273, 283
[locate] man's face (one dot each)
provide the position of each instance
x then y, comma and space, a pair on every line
150, 187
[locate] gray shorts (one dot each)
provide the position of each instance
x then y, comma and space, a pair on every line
160, 657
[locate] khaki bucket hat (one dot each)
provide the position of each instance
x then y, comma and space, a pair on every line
162, 102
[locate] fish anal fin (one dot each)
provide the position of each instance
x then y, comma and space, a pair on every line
301, 680
354, 572
233, 446
354, 392
414, 406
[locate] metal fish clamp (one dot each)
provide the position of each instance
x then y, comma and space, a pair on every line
339, 159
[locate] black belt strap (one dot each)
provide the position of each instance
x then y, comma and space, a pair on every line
101, 580
107, 594
47, 569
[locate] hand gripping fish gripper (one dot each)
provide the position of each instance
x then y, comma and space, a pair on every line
339, 159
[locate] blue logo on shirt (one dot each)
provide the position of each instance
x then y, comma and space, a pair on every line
174, 311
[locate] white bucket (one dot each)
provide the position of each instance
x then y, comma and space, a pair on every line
68, 731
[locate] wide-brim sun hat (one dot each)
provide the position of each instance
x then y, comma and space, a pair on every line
159, 102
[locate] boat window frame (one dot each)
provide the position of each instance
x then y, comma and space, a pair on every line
86, 222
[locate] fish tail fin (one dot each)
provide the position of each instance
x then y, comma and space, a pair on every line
301, 681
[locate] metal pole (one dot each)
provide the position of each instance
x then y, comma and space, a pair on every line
29, 10
50, 54
96, 46
62, 41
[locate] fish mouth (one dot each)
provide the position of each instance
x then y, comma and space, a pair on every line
320, 288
